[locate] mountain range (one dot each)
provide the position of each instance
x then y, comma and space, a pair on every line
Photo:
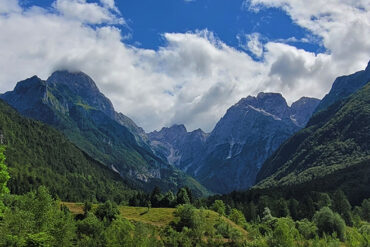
230, 157
260, 139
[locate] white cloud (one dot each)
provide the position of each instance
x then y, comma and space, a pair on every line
90, 13
9, 6
110, 4
342, 24
252, 43
193, 79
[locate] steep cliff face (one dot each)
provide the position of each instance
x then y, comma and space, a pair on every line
180, 147
230, 157
302, 109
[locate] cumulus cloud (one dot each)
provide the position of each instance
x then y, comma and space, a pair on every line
342, 25
9, 6
90, 13
193, 78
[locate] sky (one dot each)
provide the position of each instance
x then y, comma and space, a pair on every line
186, 62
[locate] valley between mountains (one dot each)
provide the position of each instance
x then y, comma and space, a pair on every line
224, 160
268, 174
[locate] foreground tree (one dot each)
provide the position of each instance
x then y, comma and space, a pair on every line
329, 222
107, 211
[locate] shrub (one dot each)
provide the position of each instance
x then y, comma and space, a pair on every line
284, 234
219, 207
329, 222
306, 228
107, 211
237, 216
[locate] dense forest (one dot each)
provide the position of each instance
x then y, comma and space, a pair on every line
36, 219
40, 155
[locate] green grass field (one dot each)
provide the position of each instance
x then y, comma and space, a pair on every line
158, 217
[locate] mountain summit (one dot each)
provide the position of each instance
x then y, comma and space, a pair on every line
81, 85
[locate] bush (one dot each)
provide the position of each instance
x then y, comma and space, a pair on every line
119, 233
107, 211
329, 222
219, 207
284, 234
237, 216
306, 228
186, 213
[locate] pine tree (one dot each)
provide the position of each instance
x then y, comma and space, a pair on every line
342, 206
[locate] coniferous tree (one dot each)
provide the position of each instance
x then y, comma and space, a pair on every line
219, 207
182, 197
342, 206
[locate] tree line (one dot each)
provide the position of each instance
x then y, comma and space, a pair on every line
317, 219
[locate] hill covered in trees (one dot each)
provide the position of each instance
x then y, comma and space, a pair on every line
40, 155
334, 139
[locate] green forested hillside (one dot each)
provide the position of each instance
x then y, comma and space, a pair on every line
40, 155
334, 139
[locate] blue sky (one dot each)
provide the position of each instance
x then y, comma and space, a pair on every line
229, 20
165, 62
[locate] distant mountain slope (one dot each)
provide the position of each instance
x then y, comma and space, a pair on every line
336, 138
72, 103
243, 139
230, 156
344, 86
39, 155
180, 147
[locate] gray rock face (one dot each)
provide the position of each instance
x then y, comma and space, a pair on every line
230, 157
302, 110
344, 86
178, 146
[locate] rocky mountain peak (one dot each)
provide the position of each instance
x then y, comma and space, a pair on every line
272, 103
169, 133
77, 82
29, 84
81, 85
